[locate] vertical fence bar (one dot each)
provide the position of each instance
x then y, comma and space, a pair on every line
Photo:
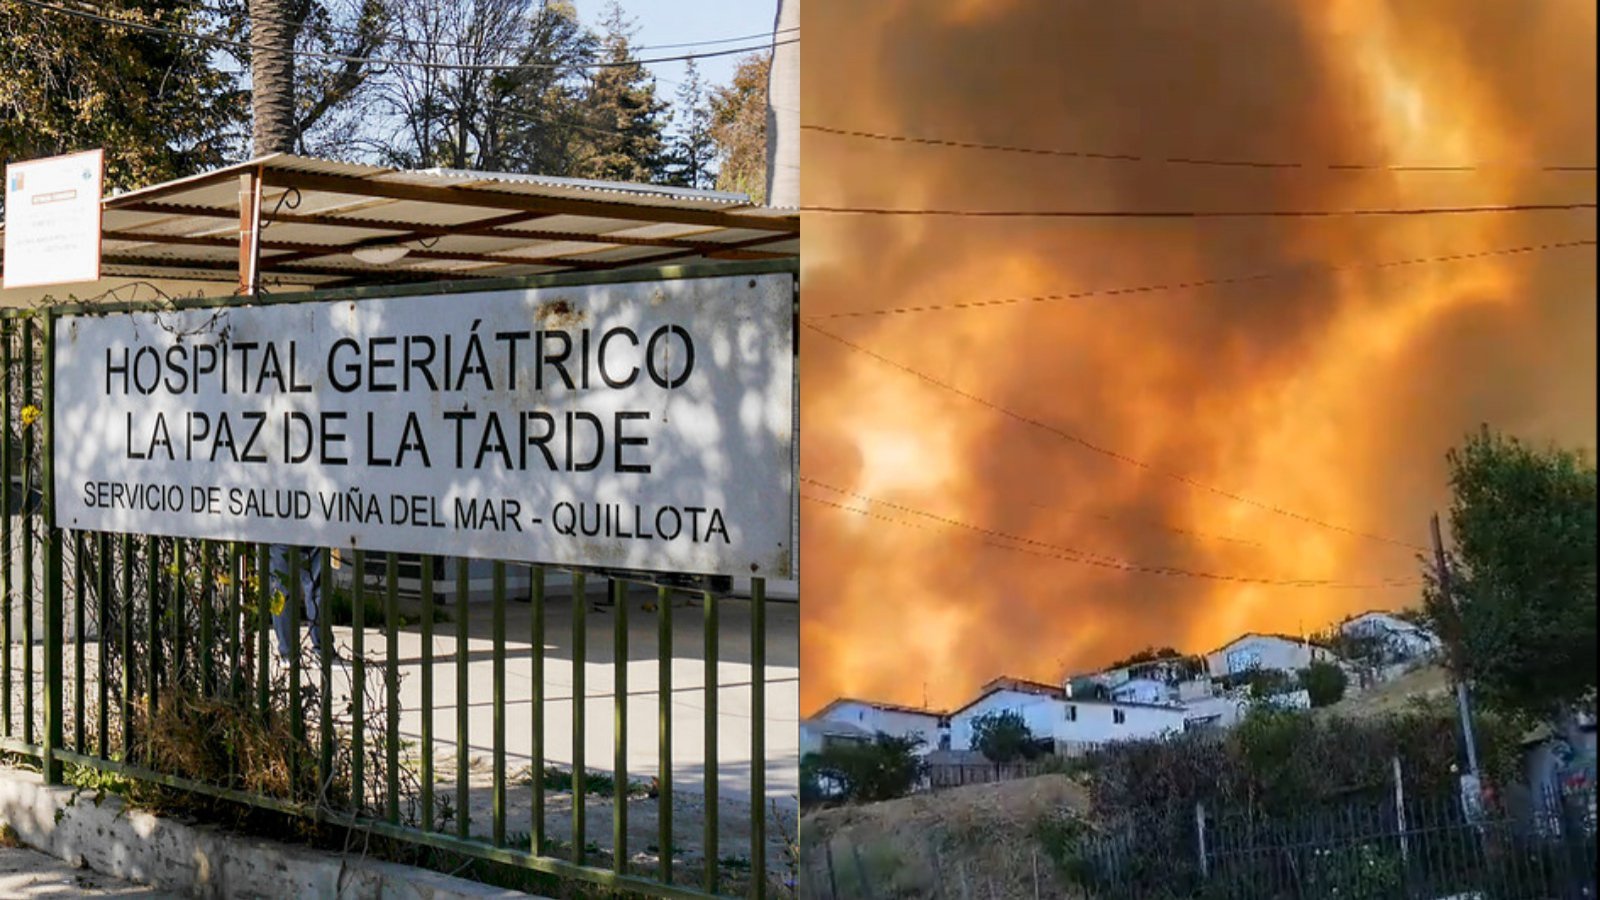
580, 608
499, 656
358, 682
664, 730
178, 574
78, 691
263, 625
463, 760
323, 581
711, 776
235, 585
102, 590
619, 726
126, 649
207, 625
7, 463
27, 518
297, 720
152, 588
758, 737
391, 681
427, 691
536, 764
53, 643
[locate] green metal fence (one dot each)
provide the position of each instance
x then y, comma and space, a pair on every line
152, 658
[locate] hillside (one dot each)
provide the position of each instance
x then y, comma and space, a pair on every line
1397, 695
988, 840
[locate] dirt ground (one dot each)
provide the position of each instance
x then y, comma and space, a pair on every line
983, 840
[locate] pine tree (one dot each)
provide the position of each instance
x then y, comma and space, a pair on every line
626, 121
692, 154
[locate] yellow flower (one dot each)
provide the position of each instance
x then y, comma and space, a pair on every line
223, 580
277, 603
30, 414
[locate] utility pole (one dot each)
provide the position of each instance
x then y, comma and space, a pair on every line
1462, 704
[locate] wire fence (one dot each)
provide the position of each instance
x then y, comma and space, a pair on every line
1538, 845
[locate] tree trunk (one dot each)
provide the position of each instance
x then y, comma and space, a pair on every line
272, 35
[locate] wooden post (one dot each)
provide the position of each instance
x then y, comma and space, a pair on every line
1200, 838
1400, 811
249, 233
1462, 705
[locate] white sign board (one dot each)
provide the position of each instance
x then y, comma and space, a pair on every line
53, 220
643, 425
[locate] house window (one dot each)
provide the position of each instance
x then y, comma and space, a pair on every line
1118, 717
1072, 712
1243, 660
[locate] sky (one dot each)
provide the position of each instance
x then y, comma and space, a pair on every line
1060, 471
676, 21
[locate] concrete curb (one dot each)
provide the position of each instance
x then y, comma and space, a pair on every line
202, 860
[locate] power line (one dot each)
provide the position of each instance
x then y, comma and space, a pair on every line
1195, 213
1103, 451
1183, 160
1069, 554
386, 61
463, 45
1105, 518
1270, 274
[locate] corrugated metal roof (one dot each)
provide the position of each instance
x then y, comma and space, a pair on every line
317, 212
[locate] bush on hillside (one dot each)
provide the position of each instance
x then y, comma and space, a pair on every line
1325, 682
862, 772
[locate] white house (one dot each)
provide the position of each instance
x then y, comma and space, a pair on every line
1265, 651
1143, 690
890, 718
1400, 640
1214, 712
818, 734
1071, 723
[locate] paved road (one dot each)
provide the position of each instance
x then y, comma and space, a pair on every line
27, 874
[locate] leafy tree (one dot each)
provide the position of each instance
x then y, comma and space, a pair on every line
626, 121
1325, 682
886, 768
156, 104
691, 152
1523, 575
1266, 683
739, 128
1003, 737
1148, 654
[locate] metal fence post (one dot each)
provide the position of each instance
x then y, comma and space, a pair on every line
53, 684
1200, 838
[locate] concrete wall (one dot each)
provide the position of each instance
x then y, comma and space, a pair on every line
203, 861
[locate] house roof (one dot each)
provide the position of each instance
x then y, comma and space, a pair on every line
182, 236
830, 728
1049, 692
1308, 641
878, 704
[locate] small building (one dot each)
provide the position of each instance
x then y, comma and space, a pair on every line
893, 719
1397, 640
1255, 650
1073, 724
1143, 690
817, 735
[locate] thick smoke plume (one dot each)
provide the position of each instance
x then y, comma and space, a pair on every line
1332, 395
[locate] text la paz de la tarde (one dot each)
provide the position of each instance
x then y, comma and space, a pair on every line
513, 440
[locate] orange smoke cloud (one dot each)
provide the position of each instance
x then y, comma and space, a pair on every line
1332, 395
